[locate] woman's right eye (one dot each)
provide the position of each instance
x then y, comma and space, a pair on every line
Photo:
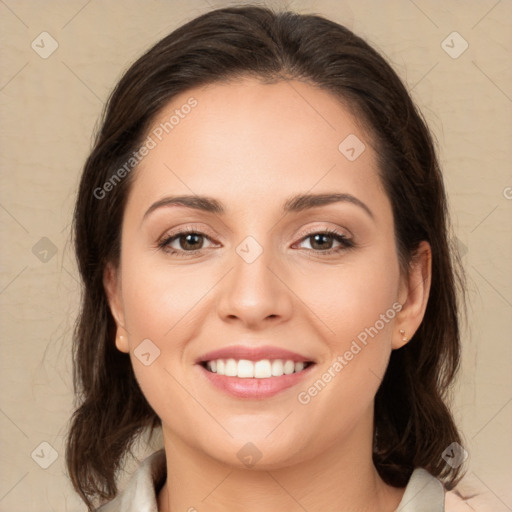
184, 242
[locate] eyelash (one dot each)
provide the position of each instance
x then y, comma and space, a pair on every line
345, 243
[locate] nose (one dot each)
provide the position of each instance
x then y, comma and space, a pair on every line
255, 293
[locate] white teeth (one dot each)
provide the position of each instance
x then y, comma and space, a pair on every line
262, 369
289, 367
245, 368
277, 368
231, 368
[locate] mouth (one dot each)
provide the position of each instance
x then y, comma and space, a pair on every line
260, 369
253, 372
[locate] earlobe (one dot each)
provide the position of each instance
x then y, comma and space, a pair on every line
415, 290
112, 288
122, 341
400, 340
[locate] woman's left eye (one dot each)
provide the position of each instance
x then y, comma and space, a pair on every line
323, 241
193, 241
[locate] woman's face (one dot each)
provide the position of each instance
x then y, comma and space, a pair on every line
264, 275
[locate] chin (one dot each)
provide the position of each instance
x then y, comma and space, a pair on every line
256, 453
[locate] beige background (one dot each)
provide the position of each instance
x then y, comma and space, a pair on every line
50, 108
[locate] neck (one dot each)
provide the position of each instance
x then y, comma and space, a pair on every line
341, 478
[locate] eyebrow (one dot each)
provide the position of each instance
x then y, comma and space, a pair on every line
296, 203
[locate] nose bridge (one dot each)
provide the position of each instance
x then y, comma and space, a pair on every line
252, 292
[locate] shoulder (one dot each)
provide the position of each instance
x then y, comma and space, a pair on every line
140, 493
425, 493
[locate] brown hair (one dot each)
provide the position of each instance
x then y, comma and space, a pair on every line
412, 423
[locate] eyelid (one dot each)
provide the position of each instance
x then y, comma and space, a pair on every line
185, 229
325, 229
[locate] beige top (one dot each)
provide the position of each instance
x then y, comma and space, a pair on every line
424, 493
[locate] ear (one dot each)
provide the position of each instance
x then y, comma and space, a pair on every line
413, 295
112, 285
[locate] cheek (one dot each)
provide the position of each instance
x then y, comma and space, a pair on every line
357, 305
161, 305
160, 301
165, 305
353, 297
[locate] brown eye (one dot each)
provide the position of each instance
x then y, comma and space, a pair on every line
191, 241
321, 241
183, 242
324, 241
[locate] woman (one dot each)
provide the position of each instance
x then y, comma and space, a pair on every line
262, 233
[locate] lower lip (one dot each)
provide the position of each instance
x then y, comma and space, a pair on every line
255, 388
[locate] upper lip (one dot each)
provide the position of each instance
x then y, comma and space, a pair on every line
253, 354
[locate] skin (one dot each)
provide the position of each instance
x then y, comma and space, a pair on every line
252, 146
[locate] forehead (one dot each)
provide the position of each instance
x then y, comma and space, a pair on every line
245, 139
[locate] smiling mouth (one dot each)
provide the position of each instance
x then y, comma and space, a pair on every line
262, 369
